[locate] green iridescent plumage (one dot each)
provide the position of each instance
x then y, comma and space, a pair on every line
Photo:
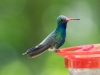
54, 40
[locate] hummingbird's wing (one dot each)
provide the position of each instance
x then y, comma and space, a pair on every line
48, 42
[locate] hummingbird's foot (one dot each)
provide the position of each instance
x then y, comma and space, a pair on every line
57, 50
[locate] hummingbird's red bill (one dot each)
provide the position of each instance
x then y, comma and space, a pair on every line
68, 19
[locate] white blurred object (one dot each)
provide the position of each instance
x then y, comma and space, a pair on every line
83, 71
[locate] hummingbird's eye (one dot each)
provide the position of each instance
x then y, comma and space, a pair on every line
61, 20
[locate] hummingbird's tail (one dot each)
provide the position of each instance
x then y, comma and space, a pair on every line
36, 51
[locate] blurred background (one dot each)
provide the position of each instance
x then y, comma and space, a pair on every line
25, 23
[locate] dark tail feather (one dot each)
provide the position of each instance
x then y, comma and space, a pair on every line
36, 51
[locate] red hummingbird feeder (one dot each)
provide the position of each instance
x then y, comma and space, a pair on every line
82, 60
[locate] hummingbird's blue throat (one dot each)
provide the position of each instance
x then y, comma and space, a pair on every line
62, 26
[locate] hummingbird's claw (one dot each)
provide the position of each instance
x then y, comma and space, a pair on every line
57, 50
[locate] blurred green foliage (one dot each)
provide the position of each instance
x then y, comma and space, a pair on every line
25, 23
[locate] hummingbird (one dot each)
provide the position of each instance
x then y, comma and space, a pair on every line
54, 40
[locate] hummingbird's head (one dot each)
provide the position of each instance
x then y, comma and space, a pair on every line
64, 19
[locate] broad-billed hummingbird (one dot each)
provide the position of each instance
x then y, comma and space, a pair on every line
54, 40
